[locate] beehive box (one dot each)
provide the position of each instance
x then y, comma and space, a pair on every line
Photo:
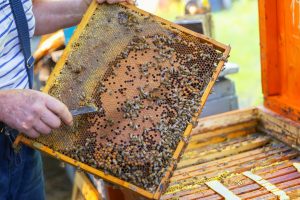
149, 80
226, 148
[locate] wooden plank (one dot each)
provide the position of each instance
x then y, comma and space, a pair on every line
284, 178
225, 119
280, 127
273, 174
279, 133
255, 187
280, 123
214, 197
197, 153
235, 149
268, 123
199, 144
291, 141
199, 136
199, 149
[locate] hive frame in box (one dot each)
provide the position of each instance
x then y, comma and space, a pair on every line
163, 184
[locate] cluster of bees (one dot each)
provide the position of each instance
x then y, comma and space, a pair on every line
144, 156
151, 94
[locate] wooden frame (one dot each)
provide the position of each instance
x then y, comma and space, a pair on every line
84, 187
223, 48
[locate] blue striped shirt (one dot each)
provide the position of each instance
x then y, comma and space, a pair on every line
12, 66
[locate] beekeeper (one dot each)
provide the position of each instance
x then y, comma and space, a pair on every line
22, 109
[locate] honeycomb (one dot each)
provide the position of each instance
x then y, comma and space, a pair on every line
146, 77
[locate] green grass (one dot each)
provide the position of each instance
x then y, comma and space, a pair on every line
237, 27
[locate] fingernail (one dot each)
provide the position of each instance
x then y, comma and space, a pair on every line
132, 2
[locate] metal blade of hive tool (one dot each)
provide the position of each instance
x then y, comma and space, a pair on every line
83, 110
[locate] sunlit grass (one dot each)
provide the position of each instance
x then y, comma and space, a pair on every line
239, 28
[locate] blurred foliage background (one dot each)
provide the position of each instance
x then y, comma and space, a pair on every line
238, 27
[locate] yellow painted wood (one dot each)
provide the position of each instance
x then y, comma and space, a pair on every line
83, 185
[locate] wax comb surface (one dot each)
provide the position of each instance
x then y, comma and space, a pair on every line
149, 80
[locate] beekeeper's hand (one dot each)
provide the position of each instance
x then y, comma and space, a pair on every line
31, 112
